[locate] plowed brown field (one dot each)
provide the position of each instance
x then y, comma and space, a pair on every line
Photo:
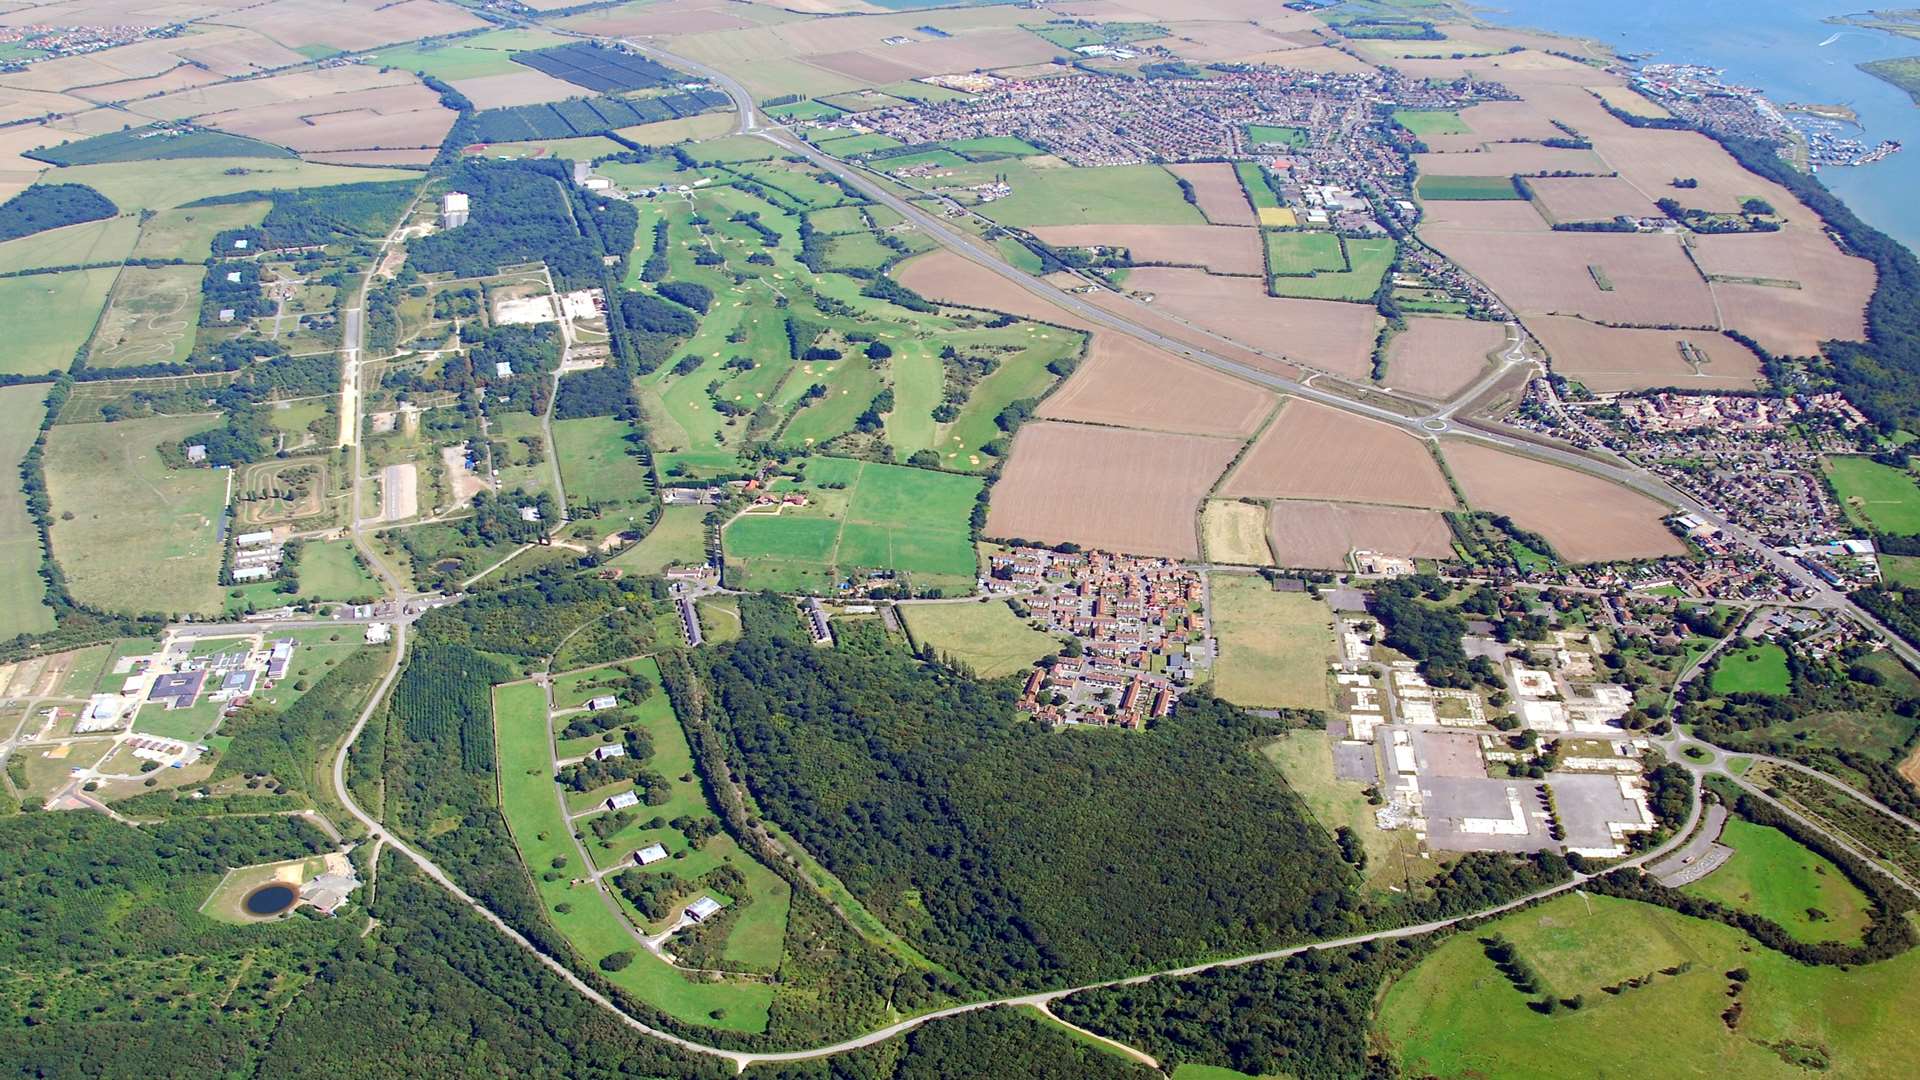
1319, 535
1606, 359
1315, 452
1585, 518
1129, 383
1436, 358
1218, 191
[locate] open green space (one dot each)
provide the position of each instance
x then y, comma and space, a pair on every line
985, 635
153, 143
1358, 277
465, 58
853, 145
141, 536
1773, 875
138, 185
1760, 668
23, 608
1466, 188
1901, 570
188, 232
992, 147
592, 922
600, 460
678, 539
803, 110
574, 148
1277, 135
1114, 194
1457, 1015
1274, 646
887, 517
107, 240
1253, 181
1306, 759
49, 316
1425, 122
1882, 497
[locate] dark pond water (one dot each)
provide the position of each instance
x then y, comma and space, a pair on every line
269, 899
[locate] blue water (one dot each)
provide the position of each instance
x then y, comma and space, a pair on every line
1774, 45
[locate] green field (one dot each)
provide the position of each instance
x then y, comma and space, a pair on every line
1304, 253
599, 460
143, 146
887, 517
1113, 195
1901, 570
49, 316
1456, 1015
579, 148
854, 145
329, 570
188, 233
141, 537
1425, 122
678, 539
594, 923
1274, 646
803, 110
992, 147
108, 240
1466, 188
150, 318
1760, 668
466, 58
1771, 874
1883, 497
1253, 181
1312, 265
137, 185
1274, 135
23, 608
987, 636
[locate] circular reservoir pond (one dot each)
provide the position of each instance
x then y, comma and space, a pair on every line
271, 899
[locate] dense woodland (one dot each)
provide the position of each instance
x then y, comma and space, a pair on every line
528, 211
49, 206
302, 217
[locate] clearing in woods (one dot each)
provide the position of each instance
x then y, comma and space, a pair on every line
987, 636
1274, 646
1771, 874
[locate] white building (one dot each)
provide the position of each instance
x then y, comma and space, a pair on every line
650, 854
453, 209
623, 800
253, 539
612, 750
703, 909
604, 701
252, 573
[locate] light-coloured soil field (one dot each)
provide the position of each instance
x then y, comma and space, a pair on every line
1318, 58
1630, 101
1274, 646
1164, 323
1631, 279
1219, 248
1585, 518
1751, 275
1320, 535
629, 20
141, 536
668, 132
213, 51
1490, 215
1606, 359
519, 88
1437, 358
1590, 198
1329, 335
1316, 452
389, 117
1498, 121
950, 279
1218, 191
385, 158
989, 637
1234, 532
306, 88
1130, 491
1506, 159
352, 25
1129, 383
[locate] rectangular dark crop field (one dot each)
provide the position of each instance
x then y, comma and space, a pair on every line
1467, 188
598, 69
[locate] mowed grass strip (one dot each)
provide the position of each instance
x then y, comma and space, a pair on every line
141, 535
23, 608
1274, 646
1885, 496
1773, 875
592, 922
987, 636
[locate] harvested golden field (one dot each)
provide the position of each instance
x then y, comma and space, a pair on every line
1212, 42
868, 69
1167, 326
1606, 359
1649, 159
1590, 198
391, 117
1318, 58
420, 156
306, 89
1333, 336
1503, 121
226, 51
1218, 192
1128, 383
180, 78
633, 20
520, 88
1505, 159
1235, 533
667, 132
1630, 101
1516, 70
1483, 215
1219, 248
1320, 535
1314, 451
1585, 518
1437, 358
1790, 289
353, 25
19, 105
1634, 279
1113, 488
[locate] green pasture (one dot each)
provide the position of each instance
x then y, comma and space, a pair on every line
188, 232
803, 110
986, 636
1277, 135
1773, 875
1466, 188
1253, 181
135, 185
1760, 668
1881, 496
679, 539
466, 58
855, 145
23, 608
1354, 275
49, 316
108, 240
1113, 194
1274, 646
992, 147
599, 460
1425, 122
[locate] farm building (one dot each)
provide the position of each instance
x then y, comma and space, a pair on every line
253, 539
650, 854
623, 801
252, 573
703, 909
604, 701
602, 753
